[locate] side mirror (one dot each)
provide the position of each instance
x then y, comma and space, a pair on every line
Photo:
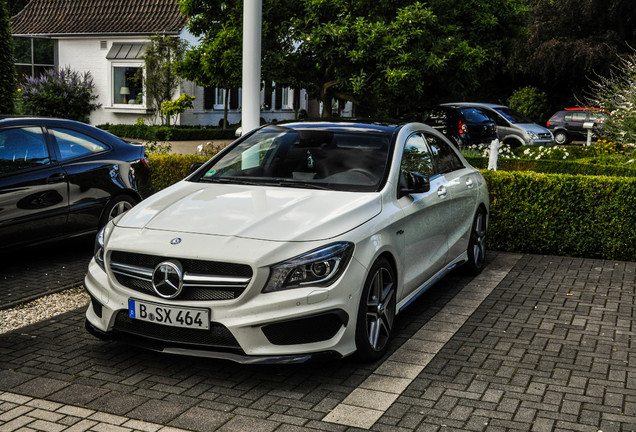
195, 166
415, 183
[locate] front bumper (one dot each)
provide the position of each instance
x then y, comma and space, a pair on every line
284, 327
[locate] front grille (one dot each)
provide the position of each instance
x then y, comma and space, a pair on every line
306, 330
218, 336
545, 136
202, 280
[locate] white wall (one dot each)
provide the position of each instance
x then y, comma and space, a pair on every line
85, 54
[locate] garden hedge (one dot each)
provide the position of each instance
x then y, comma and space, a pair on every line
166, 133
553, 214
168, 169
554, 167
561, 214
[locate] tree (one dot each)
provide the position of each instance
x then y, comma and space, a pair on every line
7, 68
570, 41
16, 6
386, 57
617, 95
161, 79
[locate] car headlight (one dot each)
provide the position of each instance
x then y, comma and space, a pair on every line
533, 135
320, 268
100, 240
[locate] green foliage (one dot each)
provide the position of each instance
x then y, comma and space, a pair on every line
165, 133
168, 169
7, 69
386, 57
65, 93
532, 102
617, 95
562, 214
173, 108
161, 79
556, 167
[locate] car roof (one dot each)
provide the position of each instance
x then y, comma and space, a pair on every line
350, 125
477, 104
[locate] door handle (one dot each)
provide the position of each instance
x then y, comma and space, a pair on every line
442, 192
469, 183
56, 178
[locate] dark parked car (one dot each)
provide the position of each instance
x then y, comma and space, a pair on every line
60, 178
464, 126
567, 125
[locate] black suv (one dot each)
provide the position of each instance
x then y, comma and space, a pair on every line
567, 125
463, 126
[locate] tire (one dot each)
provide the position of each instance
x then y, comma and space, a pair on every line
376, 313
477, 244
561, 138
116, 206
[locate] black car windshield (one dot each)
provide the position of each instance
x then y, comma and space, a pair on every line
513, 116
347, 159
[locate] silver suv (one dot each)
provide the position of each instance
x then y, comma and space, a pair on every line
513, 128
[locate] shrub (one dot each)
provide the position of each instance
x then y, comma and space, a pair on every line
556, 167
531, 102
166, 133
64, 93
7, 68
168, 169
562, 214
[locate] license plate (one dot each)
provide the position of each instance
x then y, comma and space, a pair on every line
175, 316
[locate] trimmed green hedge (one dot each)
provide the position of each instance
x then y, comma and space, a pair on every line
165, 133
584, 216
168, 169
554, 167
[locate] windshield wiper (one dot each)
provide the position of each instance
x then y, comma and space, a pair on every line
302, 184
229, 180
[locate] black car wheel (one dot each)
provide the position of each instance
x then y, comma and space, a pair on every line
561, 138
477, 244
118, 205
376, 314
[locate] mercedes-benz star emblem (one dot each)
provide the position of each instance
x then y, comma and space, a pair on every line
167, 279
175, 241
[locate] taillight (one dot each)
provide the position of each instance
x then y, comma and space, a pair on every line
145, 161
548, 124
462, 127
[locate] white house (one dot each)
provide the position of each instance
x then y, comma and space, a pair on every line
107, 38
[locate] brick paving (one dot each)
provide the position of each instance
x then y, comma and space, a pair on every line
30, 273
550, 348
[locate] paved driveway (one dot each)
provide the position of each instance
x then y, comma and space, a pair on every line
534, 343
29, 273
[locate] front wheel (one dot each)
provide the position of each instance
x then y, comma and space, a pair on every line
477, 244
376, 314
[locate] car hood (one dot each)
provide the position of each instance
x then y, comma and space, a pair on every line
257, 212
533, 127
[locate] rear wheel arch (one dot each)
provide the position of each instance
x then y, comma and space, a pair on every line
123, 197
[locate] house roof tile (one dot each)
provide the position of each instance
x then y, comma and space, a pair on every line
67, 17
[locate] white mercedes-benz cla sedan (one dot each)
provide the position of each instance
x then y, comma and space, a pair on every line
299, 240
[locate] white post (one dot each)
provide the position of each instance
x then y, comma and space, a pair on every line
251, 93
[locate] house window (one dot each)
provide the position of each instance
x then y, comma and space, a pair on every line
126, 61
33, 56
284, 98
127, 84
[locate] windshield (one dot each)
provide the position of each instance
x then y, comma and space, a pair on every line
513, 116
309, 158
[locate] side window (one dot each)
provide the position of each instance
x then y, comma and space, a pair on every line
417, 156
444, 157
74, 144
578, 117
22, 148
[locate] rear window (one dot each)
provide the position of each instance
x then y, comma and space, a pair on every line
474, 115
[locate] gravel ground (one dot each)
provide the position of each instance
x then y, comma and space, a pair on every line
42, 308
